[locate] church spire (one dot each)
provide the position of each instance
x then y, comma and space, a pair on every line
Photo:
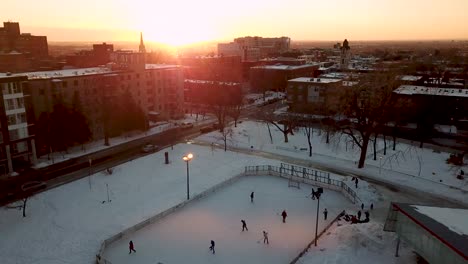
141, 48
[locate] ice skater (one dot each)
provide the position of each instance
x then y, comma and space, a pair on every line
212, 247
284, 215
325, 213
356, 182
244, 226
313, 194
359, 215
367, 215
131, 247
251, 197
362, 206
372, 206
265, 237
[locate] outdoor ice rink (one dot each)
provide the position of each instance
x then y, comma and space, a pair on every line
184, 236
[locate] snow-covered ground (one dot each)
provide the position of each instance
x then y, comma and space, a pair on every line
407, 165
186, 234
365, 243
68, 223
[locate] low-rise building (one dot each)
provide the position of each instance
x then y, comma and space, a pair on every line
311, 95
275, 77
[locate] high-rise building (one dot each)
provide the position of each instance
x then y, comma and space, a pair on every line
12, 40
255, 48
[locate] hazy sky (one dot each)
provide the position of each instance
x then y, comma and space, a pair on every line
185, 21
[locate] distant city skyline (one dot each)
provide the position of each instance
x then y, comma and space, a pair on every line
180, 22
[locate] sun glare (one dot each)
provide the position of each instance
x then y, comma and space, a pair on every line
185, 26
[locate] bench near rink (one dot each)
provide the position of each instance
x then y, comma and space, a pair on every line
296, 177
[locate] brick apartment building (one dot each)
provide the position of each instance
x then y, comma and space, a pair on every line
275, 77
310, 95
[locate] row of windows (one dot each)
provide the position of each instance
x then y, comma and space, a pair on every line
18, 133
17, 119
11, 88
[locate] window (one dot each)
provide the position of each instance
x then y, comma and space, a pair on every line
14, 134
19, 102
10, 104
21, 118
11, 120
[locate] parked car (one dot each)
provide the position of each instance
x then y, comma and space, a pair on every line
33, 186
148, 148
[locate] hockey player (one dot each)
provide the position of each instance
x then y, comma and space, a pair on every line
244, 226
265, 237
284, 215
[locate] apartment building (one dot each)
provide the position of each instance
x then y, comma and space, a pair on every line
17, 146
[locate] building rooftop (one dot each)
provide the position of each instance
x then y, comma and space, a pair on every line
446, 224
409, 78
423, 90
210, 82
284, 67
61, 73
160, 66
315, 80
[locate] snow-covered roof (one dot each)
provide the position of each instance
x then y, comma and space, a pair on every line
210, 82
315, 80
448, 225
423, 90
61, 73
284, 67
160, 66
409, 78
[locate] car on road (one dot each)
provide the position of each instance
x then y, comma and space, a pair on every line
148, 148
33, 186
186, 125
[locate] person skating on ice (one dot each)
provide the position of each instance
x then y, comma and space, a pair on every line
244, 226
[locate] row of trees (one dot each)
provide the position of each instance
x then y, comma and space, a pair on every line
361, 113
67, 126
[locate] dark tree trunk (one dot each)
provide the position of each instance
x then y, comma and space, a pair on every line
269, 132
25, 200
362, 157
394, 142
375, 146
385, 145
328, 136
421, 143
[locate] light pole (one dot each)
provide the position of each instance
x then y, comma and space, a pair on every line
317, 195
380, 165
187, 158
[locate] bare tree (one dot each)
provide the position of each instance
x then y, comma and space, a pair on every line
226, 134
365, 107
309, 131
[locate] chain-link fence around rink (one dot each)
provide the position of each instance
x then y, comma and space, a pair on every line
305, 175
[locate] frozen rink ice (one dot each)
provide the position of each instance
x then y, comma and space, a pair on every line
184, 236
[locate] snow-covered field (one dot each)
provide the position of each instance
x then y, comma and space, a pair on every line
408, 165
186, 234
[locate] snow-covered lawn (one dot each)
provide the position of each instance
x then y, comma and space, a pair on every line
407, 165
185, 235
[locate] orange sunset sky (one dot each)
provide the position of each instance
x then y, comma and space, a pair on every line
177, 22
